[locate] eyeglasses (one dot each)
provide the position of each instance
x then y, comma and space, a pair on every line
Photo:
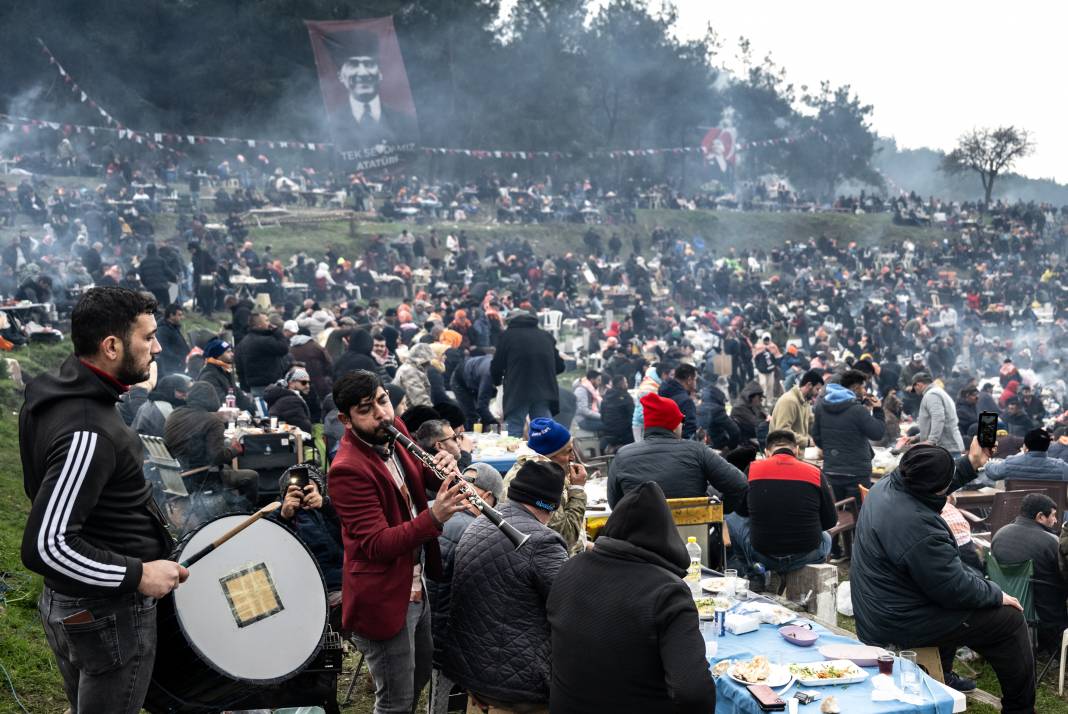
455, 437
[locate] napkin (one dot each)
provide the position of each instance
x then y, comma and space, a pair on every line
883, 689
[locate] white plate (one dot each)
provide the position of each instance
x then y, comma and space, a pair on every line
855, 675
778, 677
715, 585
860, 655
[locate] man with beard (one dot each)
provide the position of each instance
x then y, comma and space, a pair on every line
390, 536
94, 532
218, 371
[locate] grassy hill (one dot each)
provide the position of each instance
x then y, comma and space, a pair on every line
720, 230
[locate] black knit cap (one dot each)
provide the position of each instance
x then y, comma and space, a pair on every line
538, 483
926, 468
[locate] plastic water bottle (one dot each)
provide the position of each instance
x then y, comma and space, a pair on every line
231, 398
693, 574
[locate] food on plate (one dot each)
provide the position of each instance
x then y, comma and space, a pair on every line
754, 671
828, 670
721, 667
715, 585
707, 606
830, 706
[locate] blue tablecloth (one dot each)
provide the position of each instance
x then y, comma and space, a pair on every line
733, 697
502, 464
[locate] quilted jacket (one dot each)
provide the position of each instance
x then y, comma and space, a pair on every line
498, 631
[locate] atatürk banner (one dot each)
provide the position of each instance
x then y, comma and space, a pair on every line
365, 90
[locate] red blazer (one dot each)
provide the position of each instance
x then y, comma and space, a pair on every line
380, 535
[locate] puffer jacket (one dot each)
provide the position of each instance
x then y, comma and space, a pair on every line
684, 469
910, 587
412, 376
844, 430
938, 420
672, 389
649, 384
1031, 465
440, 591
498, 643
288, 406
723, 432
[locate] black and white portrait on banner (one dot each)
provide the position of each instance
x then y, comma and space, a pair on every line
365, 89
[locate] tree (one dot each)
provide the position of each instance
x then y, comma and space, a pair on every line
989, 153
837, 143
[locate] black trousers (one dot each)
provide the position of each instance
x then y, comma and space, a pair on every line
1000, 635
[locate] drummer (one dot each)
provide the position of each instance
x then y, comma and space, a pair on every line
94, 532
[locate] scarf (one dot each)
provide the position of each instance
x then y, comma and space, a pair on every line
224, 366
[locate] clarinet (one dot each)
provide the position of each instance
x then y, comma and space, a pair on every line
495, 517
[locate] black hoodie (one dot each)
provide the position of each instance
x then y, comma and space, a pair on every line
93, 521
625, 603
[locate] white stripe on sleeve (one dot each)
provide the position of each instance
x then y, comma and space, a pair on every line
51, 542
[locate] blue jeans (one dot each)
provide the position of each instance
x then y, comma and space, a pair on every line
106, 664
744, 555
400, 666
515, 418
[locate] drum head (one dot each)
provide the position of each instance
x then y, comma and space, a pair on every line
255, 608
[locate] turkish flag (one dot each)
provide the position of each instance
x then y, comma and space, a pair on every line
718, 146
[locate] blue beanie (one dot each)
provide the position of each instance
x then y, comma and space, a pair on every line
547, 437
216, 348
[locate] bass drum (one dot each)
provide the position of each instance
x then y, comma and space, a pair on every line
252, 613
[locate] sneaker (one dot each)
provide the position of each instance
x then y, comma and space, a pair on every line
837, 559
961, 684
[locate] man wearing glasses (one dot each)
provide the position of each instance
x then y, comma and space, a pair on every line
287, 399
437, 435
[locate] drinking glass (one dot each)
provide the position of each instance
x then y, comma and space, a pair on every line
886, 664
730, 578
910, 673
710, 634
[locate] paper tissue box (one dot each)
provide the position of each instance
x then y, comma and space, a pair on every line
740, 624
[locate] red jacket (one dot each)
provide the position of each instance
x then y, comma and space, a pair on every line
380, 535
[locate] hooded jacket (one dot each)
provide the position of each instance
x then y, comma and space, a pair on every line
843, 429
625, 601
910, 587
194, 434
357, 356
288, 406
748, 417
649, 384
683, 469
152, 416
412, 376
723, 432
498, 643
92, 522
527, 362
673, 390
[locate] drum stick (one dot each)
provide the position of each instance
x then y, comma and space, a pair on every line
230, 534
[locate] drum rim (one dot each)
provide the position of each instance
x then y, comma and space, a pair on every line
326, 602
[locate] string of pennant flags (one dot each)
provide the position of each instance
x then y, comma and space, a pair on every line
165, 140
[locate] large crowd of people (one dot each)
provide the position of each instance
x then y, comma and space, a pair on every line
699, 370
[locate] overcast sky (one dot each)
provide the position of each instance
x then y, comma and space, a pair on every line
931, 69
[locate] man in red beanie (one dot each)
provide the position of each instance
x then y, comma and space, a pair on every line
683, 468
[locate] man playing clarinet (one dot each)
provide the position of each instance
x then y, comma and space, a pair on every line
391, 540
